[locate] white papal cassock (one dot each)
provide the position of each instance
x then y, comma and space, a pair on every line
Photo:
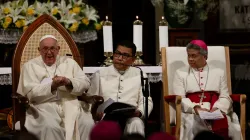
110, 83
188, 80
58, 115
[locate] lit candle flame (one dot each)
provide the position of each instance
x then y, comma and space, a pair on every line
136, 17
106, 17
162, 17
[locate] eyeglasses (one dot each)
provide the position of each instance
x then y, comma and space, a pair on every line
124, 55
51, 49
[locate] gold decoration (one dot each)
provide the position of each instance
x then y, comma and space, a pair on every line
108, 60
138, 60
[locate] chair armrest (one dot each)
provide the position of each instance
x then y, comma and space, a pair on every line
176, 99
23, 106
95, 99
21, 99
238, 98
173, 98
241, 98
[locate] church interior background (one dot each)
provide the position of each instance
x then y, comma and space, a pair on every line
122, 13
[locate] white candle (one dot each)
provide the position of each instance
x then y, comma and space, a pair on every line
163, 36
107, 38
137, 36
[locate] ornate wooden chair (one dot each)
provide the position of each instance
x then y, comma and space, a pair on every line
27, 48
174, 58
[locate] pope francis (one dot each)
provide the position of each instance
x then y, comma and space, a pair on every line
52, 84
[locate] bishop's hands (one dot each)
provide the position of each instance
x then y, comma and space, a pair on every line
198, 108
58, 81
213, 109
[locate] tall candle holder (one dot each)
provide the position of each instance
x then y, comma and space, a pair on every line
139, 53
160, 62
108, 61
108, 42
164, 24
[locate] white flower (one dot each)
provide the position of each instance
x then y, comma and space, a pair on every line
41, 8
76, 2
70, 14
2, 8
67, 19
26, 6
63, 8
15, 14
91, 13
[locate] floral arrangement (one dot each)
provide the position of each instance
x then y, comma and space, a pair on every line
200, 7
181, 9
73, 15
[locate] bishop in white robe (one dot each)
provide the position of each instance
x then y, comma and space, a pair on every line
204, 87
55, 112
122, 83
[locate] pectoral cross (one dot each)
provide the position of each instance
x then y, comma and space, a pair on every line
202, 96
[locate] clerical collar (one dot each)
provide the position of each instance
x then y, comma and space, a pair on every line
121, 71
50, 66
201, 69
51, 70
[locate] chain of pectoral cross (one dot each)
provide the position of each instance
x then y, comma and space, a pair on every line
48, 74
202, 96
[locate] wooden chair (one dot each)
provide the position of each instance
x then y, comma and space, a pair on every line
27, 48
174, 58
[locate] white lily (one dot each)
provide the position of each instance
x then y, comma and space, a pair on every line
29, 20
67, 19
2, 7
77, 2
14, 4
15, 14
49, 5
91, 13
63, 8
41, 8
26, 6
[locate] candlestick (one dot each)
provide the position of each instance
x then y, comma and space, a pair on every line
107, 41
163, 36
137, 39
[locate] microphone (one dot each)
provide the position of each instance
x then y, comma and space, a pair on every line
145, 92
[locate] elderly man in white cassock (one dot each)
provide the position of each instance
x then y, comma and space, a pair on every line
203, 87
52, 84
122, 83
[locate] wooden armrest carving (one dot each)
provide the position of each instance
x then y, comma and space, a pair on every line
95, 99
173, 98
241, 98
24, 105
21, 99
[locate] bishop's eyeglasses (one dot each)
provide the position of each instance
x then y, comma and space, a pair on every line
124, 55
